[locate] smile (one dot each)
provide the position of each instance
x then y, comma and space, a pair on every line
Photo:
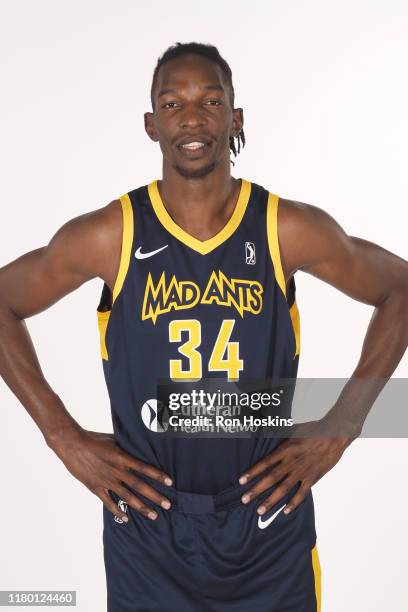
194, 149
193, 146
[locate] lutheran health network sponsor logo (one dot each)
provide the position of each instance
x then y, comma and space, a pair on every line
202, 411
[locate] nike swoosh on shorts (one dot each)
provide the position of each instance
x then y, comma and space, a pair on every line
262, 524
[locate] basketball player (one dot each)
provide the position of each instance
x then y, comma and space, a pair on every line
198, 280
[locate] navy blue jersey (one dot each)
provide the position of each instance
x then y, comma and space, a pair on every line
187, 309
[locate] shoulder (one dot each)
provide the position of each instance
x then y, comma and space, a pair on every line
95, 225
306, 233
91, 242
299, 214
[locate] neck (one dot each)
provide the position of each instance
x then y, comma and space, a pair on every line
201, 207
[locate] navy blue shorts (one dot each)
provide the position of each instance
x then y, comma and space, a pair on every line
212, 553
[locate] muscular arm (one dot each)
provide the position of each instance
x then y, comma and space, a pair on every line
85, 247
312, 241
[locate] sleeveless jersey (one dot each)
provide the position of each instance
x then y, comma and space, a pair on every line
182, 308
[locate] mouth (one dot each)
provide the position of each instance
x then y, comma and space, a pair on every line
194, 149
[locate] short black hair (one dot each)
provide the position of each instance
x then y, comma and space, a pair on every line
210, 52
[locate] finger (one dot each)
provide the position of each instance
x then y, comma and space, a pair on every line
111, 506
262, 485
134, 502
269, 461
146, 490
145, 468
298, 497
279, 493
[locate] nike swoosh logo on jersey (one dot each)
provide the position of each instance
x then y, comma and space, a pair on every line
140, 255
262, 524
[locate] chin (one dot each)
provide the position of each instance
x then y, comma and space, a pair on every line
195, 173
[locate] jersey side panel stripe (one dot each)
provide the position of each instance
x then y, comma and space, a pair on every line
317, 577
103, 318
126, 247
272, 229
294, 315
274, 250
127, 240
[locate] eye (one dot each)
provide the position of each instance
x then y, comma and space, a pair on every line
214, 102
168, 105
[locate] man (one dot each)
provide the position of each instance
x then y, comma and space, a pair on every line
198, 272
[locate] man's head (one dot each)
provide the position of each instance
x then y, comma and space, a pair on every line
193, 116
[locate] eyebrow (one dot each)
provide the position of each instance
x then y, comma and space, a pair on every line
167, 90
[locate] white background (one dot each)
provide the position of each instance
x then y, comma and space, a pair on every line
324, 88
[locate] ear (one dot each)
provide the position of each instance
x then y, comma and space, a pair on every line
149, 126
237, 121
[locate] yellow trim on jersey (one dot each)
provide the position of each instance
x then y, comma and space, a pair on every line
274, 250
294, 315
127, 239
317, 577
103, 318
126, 246
272, 231
202, 246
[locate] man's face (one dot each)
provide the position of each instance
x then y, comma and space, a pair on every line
192, 118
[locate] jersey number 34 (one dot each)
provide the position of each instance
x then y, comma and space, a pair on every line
224, 356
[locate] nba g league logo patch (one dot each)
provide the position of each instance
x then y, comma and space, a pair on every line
250, 253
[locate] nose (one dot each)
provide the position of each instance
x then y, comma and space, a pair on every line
192, 116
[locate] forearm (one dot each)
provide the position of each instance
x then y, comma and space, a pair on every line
384, 345
21, 371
